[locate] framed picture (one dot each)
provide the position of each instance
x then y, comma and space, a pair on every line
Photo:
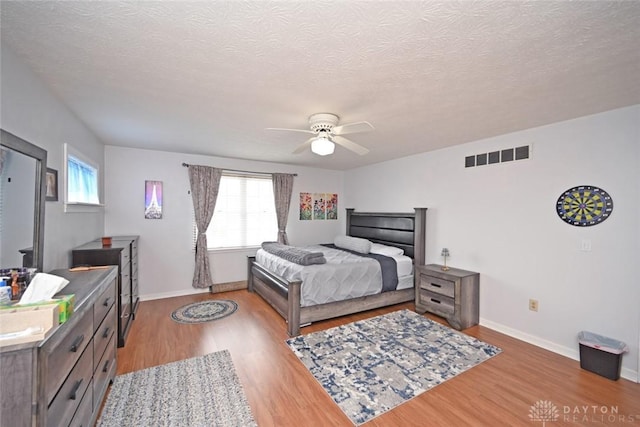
332, 205
305, 206
153, 199
52, 185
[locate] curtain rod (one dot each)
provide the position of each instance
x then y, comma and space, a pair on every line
186, 165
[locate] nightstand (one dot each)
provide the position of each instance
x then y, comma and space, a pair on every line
453, 294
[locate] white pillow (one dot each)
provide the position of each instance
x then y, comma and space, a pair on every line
377, 248
355, 244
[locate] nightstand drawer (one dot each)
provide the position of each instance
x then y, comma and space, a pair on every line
438, 286
437, 303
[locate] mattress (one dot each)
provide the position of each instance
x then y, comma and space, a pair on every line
344, 276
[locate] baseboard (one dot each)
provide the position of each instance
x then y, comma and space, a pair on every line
571, 353
217, 288
181, 293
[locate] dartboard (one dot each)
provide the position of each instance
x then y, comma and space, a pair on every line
584, 206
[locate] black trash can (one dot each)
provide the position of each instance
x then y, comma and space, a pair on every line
601, 355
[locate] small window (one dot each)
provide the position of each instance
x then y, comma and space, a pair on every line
245, 213
82, 179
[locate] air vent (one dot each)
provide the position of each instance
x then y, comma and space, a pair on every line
501, 156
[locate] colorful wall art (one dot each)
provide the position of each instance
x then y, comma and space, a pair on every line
332, 206
318, 206
305, 206
153, 199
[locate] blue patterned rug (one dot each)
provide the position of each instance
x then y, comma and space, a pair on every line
371, 366
204, 311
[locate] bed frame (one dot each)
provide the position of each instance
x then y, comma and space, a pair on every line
404, 230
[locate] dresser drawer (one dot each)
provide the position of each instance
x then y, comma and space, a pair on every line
104, 303
134, 267
84, 413
125, 280
437, 285
62, 356
106, 370
68, 399
437, 303
104, 334
125, 256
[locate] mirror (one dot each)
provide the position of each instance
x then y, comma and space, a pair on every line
23, 168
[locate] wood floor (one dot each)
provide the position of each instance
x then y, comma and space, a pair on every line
282, 393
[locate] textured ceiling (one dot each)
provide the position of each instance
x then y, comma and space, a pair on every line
209, 77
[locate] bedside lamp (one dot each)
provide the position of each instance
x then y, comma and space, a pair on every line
445, 253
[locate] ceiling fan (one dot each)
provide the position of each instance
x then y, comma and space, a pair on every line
326, 133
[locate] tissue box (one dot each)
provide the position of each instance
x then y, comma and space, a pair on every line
65, 303
14, 320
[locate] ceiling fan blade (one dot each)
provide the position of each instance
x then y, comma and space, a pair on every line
352, 128
304, 146
293, 130
350, 145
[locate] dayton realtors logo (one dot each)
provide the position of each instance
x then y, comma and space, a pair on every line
543, 410
546, 411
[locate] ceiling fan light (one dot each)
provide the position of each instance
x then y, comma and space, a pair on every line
322, 146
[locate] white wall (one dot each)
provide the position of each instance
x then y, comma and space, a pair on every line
166, 257
31, 111
500, 220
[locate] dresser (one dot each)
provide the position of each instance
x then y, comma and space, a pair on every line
62, 380
123, 253
453, 294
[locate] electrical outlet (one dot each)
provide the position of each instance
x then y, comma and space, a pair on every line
533, 304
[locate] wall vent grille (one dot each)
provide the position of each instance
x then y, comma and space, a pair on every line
500, 156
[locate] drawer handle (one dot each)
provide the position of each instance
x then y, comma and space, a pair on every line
106, 332
435, 300
106, 302
76, 344
106, 366
435, 285
76, 387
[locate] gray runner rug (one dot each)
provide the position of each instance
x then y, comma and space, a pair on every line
197, 392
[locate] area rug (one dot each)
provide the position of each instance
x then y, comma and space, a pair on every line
204, 311
202, 391
371, 366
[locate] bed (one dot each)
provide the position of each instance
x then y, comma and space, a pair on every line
402, 230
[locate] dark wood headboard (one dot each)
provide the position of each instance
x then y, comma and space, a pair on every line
403, 230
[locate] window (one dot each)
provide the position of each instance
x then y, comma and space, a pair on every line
245, 213
81, 179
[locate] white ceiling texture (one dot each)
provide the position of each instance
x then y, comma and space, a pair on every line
209, 77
